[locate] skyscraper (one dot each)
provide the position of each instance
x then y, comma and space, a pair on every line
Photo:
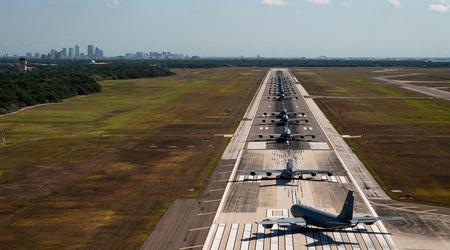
98, 53
70, 52
90, 51
77, 51
64, 53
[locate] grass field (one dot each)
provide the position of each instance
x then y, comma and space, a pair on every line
405, 142
97, 172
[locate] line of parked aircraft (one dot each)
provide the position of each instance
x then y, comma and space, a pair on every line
282, 90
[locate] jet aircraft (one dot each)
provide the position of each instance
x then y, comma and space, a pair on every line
308, 216
289, 172
287, 136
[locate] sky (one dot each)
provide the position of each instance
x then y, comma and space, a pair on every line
270, 28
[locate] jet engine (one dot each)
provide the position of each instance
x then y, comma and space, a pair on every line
268, 173
313, 174
252, 173
267, 226
330, 174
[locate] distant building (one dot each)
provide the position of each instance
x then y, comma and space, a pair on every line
98, 53
90, 51
23, 64
71, 52
77, 51
64, 53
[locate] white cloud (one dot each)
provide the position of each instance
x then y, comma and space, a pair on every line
395, 3
320, 2
347, 4
274, 3
113, 4
439, 7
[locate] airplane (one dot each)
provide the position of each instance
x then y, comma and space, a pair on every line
289, 172
284, 112
282, 97
285, 119
308, 216
287, 136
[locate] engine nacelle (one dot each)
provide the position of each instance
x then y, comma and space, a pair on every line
252, 173
267, 226
330, 174
260, 136
369, 223
268, 173
313, 174
264, 120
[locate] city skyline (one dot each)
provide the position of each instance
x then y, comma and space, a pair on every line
309, 28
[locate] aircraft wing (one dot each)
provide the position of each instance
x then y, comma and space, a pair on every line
271, 171
283, 221
300, 137
372, 219
308, 171
271, 137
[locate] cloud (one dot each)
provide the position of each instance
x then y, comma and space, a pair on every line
113, 4
439, 7
320, 2
274, 3
347, 4
395, 3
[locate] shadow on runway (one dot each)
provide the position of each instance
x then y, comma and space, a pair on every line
319, 235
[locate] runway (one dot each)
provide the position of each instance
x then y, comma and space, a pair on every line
248, 198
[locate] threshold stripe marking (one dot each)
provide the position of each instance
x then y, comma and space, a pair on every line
378, 234
274, 238
288, 241
232, 237
246, 236
260, 238
218, 237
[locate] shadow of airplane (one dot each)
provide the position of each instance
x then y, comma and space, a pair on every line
319, 235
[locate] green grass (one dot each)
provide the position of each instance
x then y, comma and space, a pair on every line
405, 142
83, 173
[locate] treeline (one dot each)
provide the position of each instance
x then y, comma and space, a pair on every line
52, 83
215, 63
118, 70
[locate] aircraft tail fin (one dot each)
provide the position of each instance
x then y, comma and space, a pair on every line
347, 210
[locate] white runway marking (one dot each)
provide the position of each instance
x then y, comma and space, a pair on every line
366, 237
338, 240
352, 238
218, 237
333, 179
289, 244
232, 237
343, 179
260, 238
246, 236
383, 243
241, 178
259, 178
274, 238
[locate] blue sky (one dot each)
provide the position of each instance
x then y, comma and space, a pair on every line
287, 28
